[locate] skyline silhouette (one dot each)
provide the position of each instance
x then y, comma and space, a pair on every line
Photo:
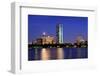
72, 26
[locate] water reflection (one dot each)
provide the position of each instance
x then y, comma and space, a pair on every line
60, 53
36, 51
78, 52
45, 54
56, 53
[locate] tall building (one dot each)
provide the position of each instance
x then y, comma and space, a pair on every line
59, 32
80, 40
48, 40
45, 39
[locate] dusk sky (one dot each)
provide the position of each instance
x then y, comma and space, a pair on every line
72, 26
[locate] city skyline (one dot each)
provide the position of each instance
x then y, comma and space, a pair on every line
73, 27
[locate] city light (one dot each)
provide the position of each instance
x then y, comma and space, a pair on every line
44, 33
58, 41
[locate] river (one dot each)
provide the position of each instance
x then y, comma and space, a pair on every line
56, 53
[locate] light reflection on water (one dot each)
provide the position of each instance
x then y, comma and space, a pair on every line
60, 53
45, 54
56, 53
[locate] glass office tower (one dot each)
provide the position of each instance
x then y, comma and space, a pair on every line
59, 31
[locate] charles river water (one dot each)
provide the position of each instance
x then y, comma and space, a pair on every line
57, 53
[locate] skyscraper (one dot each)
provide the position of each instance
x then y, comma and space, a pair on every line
59, 32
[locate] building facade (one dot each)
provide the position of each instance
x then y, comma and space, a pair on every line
45, 39
59, 33
80, 40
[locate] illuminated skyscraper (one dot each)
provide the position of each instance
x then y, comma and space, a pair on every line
45, 39
59, 31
